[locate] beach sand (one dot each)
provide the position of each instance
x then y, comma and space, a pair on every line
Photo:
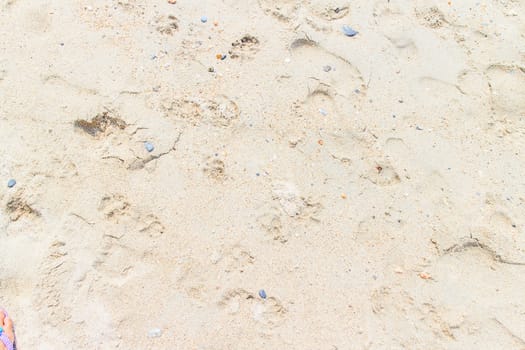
372, 186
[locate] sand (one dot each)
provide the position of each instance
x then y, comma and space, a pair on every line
372, 185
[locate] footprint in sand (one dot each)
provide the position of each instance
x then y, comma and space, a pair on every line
115, 207
346, 147
443, 96
475, 84
320, 102
233, 259
128, 235
400, 156
283, 10
192, 277
167, 25
219, 112
389, 12
215, 169
395, 147
431, 17
244, 305
341, 149
245, 48
151, 225
507, 88
502, 235
396, 306
382, 174
50, 292
330, 81
374, 232
499, 234
330, 10
293, 203
404, 44
271, 223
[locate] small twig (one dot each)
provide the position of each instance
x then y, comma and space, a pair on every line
83, 219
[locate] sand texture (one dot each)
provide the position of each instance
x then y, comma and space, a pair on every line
373, 186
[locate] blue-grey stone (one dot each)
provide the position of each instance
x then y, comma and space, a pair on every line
149, 146
349, 31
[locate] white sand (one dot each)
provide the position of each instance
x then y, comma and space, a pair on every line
395, 221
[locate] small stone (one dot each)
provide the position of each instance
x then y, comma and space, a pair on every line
211, 69
223, 57
348, 31
154, 333
425, 276
11, 183
323, 112
262, 294
204, 19
149, 146
327, 68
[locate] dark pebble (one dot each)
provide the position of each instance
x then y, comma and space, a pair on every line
262, 294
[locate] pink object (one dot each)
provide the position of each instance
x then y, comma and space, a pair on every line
10, 345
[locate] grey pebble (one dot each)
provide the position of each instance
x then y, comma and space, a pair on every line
348, 31
11, 183
327, 68
262, 294
149, 146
